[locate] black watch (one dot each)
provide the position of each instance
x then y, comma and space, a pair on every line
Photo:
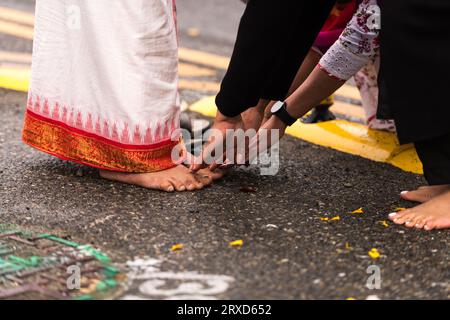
279, 109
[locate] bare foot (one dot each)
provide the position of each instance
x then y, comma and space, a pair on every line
178, 178
425, 193
433, 214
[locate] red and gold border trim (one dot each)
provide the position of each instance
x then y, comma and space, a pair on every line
67, 143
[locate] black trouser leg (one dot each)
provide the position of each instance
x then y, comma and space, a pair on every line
435, 156
273, 40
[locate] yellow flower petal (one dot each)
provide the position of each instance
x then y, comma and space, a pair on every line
358, 211
237, 243
350, 298
347, 246
399, 209
374, 254
337, 218
384, 223
177, 247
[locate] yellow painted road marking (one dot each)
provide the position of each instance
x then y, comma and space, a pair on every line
190, 70
348, 91
15, 78
16, 30
205, 106
16, 16
345, 136
348, 110
204, 58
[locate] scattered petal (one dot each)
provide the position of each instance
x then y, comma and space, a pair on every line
358, 211
384, 223
374, 254
350, 298
347, 246
399, 209
237, 243
177, 247
337, 218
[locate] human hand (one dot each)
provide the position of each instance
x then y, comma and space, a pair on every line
268, 135
215, 150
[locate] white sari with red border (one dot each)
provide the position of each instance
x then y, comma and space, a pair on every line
104, 83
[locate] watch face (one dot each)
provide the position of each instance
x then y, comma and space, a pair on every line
277, 106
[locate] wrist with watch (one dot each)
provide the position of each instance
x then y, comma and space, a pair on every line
279, 110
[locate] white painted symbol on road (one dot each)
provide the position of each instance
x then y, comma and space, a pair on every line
151, 283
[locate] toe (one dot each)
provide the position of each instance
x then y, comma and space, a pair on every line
191, 187
416, 196
179, 186
405, 195
397, 215
196, 183
167, 186
199, 185
429, 225
404, 218
192, 184
416, 219
420, 223
409, 224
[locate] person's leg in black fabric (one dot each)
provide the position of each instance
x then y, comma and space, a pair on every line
273, 39
435, 156
409, 29
434, 213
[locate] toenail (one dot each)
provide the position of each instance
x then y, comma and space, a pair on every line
170, 189
182, 188
404, 192
427, 228
393, 214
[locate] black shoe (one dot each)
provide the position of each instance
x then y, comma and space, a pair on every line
186, 122
320, 114
196, 128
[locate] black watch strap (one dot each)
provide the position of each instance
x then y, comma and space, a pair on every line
282, 114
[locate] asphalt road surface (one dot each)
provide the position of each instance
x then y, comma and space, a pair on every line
287, 252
